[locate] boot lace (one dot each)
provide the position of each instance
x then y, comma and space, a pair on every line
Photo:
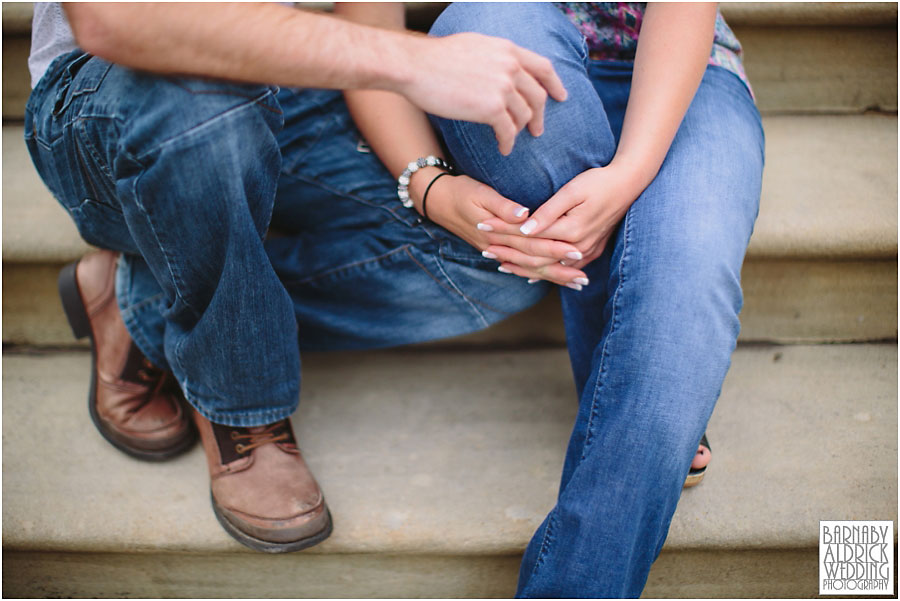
258, 439
154, 377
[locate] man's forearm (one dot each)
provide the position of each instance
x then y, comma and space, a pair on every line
263, 42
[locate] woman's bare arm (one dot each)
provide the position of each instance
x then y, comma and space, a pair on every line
399, 132
672, 54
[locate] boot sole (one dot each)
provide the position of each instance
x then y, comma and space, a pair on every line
257, 544
77, 316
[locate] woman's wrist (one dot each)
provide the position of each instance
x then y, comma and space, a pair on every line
418, 183
634, 176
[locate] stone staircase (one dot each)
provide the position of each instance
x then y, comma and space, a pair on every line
437, 475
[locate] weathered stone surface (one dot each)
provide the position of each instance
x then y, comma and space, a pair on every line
829, 188
809, 14
819, 301
829, 191
676, 574
437, 467
798, 69
444, 453
784, 301
36, 229
17, 18
16, 78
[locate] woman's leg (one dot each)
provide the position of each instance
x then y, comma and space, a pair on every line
577, 133
673, 296
650, 338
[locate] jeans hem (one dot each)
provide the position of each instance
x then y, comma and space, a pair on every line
240, 419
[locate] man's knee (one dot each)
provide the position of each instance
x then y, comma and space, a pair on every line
210, 142
158, 110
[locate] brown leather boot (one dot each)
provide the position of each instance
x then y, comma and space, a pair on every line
136, 406
262, 492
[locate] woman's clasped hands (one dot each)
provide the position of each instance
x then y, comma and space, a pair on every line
552, 243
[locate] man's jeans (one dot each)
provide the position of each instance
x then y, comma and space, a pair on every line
184, 176
651, 337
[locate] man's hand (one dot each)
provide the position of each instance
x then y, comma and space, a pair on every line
472, 77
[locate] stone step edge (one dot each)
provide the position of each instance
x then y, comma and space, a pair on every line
865, 229
717, 515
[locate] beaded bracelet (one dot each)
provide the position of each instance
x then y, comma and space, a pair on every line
403, 180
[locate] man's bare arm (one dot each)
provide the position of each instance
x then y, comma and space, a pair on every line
467, 76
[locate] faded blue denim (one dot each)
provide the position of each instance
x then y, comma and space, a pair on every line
650, 339
185, 176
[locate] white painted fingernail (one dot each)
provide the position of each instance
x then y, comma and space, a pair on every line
532, 280
562, 263
582, 281
503, 269
521, 211
488, 255
573, 286
574, 255
484, 227
528, 226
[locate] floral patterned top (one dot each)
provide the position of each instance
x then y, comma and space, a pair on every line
612, 28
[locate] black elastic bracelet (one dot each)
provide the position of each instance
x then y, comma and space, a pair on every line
425, 196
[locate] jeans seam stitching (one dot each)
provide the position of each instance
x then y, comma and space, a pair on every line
546, 541
85, 141
199, 126
470, 302
142, 305
604, 354
455, 290
320, 184
229, 93
175, 279
344, 267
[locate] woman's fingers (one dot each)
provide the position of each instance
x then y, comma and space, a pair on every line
565, 199
504, 254
504, 211
538, 247
554, 272
500, 226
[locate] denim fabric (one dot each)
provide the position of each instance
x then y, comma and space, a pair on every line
185, 176
650, 338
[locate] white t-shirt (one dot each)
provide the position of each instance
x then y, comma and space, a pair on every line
51, 36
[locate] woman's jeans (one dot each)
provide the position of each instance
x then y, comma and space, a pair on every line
650, 338
185, 176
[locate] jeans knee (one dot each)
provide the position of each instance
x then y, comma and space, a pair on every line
156, 111
538, 26
577, 135
212, 141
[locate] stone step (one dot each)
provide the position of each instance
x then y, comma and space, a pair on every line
822, 263
801, 57
437, 467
